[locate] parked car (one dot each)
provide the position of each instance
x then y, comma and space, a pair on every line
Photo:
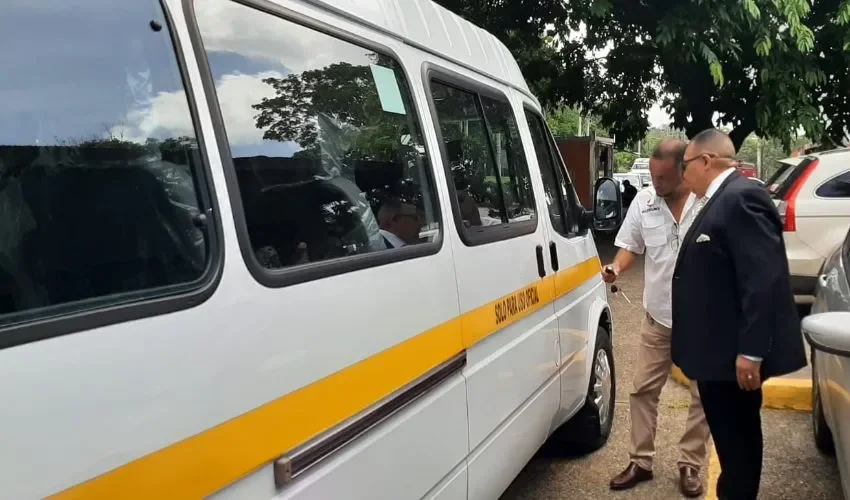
828, 332
640, 165
747, 169
812, 194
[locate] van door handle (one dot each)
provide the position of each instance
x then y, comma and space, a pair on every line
553, 253
541, 268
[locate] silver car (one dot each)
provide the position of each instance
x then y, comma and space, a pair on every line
828, 332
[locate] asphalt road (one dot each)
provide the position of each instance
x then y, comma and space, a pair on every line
793, 468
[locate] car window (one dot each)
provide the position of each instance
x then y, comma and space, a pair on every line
555, 187
784, 177
837, 187
324, 138
485, 156
99, 163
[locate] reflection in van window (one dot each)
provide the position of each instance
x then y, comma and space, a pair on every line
490, 191
98, 159
326, 146
554, 186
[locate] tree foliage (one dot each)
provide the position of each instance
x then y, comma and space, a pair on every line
764, 66
564, 120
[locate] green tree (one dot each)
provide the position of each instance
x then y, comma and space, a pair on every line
763, 66
623, 161
772, 151
563, 122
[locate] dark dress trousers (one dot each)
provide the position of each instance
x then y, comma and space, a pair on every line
732, 296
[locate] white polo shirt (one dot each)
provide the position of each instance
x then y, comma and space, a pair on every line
649, 227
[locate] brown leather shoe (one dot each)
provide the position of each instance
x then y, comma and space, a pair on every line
631, 477
689, 481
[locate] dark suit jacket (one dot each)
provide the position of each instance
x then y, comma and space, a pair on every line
732, 294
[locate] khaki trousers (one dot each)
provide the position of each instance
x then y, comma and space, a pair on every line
653, 367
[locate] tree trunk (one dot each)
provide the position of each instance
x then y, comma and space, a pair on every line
740, 133
698, 124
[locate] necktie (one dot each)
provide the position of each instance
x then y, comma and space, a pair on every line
700, 205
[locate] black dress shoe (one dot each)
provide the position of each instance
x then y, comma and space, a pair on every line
689, 482
631, 477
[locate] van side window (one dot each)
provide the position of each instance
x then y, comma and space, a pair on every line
99, 164
325, 141
837, 187
510, 159
486, 157
554, 184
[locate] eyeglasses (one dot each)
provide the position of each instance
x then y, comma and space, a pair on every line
687, 161
674, 242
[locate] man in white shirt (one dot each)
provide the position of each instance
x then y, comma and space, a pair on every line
399, 223
656, 220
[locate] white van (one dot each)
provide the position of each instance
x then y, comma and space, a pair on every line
290, 249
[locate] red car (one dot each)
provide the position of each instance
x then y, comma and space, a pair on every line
747, 169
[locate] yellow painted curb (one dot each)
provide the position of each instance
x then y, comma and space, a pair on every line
713, 474
777, 393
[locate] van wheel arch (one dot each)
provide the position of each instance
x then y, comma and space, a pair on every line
588, 430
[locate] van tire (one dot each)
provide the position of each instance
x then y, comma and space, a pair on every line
589, 429
820, 430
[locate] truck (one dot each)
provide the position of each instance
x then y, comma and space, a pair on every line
588, 159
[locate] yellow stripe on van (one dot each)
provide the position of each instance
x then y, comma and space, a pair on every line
213, 459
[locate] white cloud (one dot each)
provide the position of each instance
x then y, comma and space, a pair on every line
230, 27
167, 114
237, 93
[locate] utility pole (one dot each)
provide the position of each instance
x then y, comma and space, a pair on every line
758, 157
579, 120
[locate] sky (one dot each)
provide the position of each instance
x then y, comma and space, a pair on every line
113, 75
658, 117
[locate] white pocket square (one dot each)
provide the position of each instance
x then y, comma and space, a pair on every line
703, 238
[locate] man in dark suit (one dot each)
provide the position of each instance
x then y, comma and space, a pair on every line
734, 319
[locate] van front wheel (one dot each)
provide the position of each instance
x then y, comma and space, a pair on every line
589, 429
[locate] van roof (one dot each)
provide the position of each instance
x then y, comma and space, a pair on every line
432, 28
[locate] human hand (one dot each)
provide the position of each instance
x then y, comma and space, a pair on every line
748, 373
609, 273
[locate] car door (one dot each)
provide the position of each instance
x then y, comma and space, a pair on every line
508, 326
823, 206
572, 252
832, 369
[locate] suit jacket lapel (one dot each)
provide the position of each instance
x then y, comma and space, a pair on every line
691, 230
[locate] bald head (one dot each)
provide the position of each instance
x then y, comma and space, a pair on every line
670, 149
708, 154
714, 142
665, 168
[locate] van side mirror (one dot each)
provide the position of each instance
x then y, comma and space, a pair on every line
829, 332
607, 205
